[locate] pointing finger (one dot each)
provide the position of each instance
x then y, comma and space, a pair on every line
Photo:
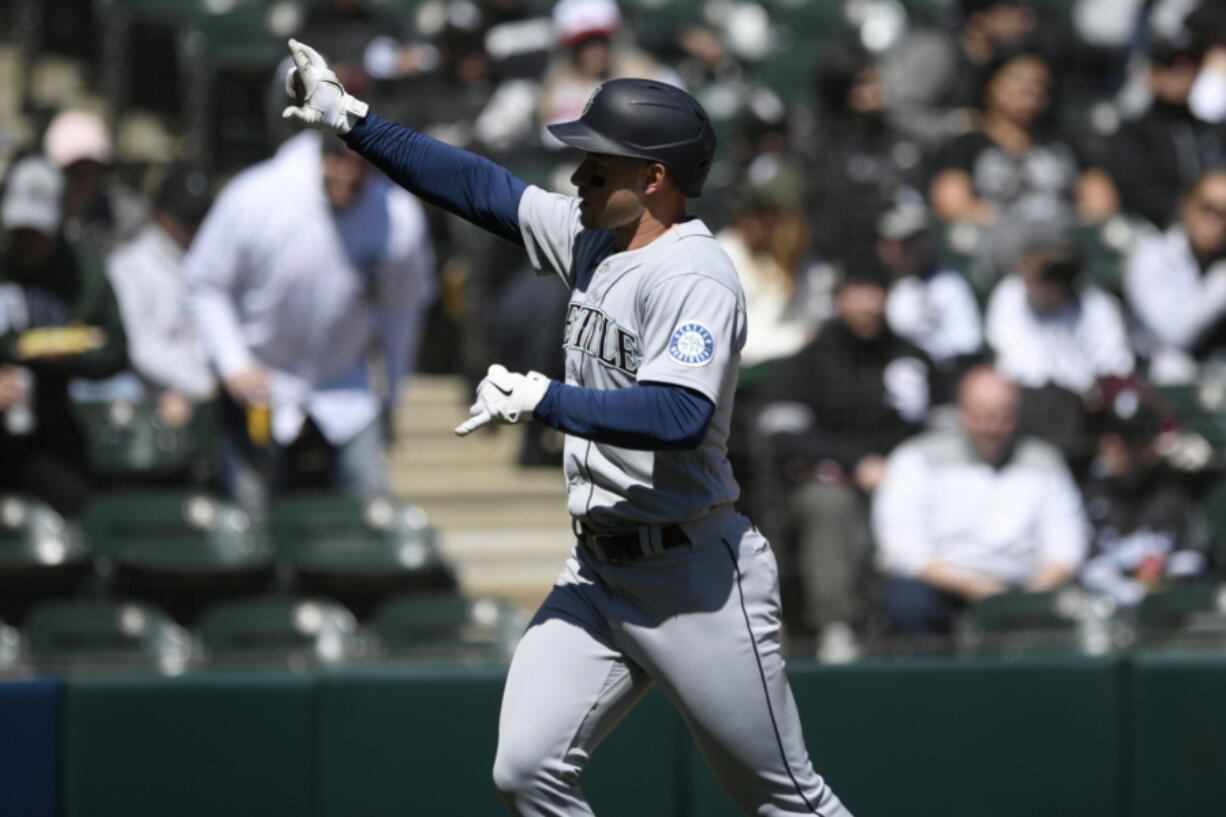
473, 423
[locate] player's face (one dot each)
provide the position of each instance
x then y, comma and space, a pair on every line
610, 190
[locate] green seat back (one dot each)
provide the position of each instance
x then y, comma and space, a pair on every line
326, 533
1200, 407
1179, 607
1057, 621
279, 628
32, 534
88, 632
124, 437
174, 530
448, 626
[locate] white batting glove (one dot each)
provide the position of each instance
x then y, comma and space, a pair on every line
324, 105
505, 398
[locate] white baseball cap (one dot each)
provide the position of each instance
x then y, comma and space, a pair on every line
577, 20
76, 135
32, 196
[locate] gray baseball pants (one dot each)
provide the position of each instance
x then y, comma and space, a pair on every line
702, 622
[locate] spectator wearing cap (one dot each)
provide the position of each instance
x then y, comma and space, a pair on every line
58, 321
969, 512
931, 306
1160, 154
1175, 283
147, 274
593, 47
834, 412
289, 301
1055, 335
99, 211
1148, 524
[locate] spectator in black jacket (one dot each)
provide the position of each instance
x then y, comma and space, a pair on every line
835, 410
1157, 156
1144, 505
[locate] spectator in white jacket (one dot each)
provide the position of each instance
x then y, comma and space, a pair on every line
147, 275
303, 264
1175, 282
1055, 335
974, 511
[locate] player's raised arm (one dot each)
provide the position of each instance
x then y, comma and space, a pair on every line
471, 186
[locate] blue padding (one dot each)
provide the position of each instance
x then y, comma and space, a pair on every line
29, 741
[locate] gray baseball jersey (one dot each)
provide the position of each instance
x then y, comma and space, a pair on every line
670, 312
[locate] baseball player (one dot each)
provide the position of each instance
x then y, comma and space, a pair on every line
667, 583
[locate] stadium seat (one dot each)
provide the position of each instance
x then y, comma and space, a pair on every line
1065, 620
41, 556
127, 439
179, 549
1200, 407
1191, 613
357, 552
448, 627
10, 647
281, 629
82, 634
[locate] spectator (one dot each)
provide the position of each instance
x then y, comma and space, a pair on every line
58, 321
929, 305
1165, 150
289, 299
933, 79
1013, 167
1175, 282
1055, 335
147, 274
99, 211
836, 410
762, 245
861, 165
974, 511
1148, 527
593, 49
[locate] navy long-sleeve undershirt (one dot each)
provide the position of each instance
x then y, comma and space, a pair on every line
646, 417
471, 186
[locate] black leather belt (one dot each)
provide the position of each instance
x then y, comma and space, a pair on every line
648, 542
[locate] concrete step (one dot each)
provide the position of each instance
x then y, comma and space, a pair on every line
492, 481
429, 449
497, 545
491, 512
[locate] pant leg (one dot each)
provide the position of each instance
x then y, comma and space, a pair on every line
913, 607
711, 640
360, 467
827, 518
568, 686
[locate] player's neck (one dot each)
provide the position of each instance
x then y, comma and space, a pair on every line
654, 222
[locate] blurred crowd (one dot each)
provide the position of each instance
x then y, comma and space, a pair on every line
983, 245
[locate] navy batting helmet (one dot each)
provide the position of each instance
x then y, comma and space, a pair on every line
650, 120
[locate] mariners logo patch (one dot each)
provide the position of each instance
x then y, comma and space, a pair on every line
691, 344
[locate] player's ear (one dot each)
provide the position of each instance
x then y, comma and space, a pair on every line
655, 178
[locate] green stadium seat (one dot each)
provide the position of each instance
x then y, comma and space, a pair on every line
88, 634
448, 627
41, 555
1200, 407
179, 549
281, 629
357, 552
250, 36
1184, 614
127, 439
1065, 620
